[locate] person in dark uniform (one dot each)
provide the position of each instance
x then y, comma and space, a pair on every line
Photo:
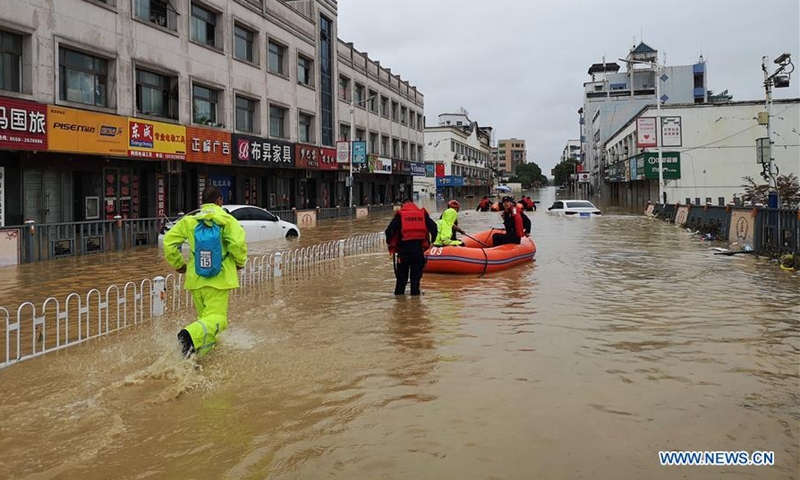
408, 236
516, 223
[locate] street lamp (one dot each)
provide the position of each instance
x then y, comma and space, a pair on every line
779, 79
662, 195
353, 104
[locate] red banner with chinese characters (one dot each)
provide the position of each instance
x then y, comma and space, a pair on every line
316, 158
23, 125
206, 145
440, 169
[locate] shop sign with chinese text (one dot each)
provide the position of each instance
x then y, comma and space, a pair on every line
262, 152
80, 131
156, 140
23, 125
316, 158
208, 145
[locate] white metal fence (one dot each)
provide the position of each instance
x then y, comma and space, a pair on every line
56, 324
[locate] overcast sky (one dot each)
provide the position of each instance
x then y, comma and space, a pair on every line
519, 65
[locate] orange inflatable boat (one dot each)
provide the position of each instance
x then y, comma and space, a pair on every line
478, 256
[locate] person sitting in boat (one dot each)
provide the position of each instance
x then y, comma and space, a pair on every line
448, 226
484, 205
530, 205
516, 223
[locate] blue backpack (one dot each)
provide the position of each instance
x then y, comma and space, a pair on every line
207, 249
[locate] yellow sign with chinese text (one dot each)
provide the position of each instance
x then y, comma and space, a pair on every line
156, 140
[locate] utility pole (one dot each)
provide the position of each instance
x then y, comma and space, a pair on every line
778, 79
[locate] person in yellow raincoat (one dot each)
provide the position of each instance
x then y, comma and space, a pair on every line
448, 225
210, 293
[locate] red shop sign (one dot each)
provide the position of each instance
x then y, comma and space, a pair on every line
23, 125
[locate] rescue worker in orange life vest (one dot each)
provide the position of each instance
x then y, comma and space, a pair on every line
484, 205
408, 235
516, 223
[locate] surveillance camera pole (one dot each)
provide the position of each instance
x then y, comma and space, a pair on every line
772, 201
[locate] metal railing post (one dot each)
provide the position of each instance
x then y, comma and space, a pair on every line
30, 239
158, 296
118, 223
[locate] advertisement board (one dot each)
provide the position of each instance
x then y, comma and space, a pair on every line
23, 125
80, 131
156, 140
316, 158
360, 152
671, 135
208, 145
671, 162
262, 152
646, 132
380, 165
342, 152
417, 169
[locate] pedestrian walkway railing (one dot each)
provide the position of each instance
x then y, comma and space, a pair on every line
35, 329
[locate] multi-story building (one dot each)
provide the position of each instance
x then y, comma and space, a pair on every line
612, 98
457, 153
132, 107
701, 164
572, 151
507, 155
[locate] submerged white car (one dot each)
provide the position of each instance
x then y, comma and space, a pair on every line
259, 224
577, 208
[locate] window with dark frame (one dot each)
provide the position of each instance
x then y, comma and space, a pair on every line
243, 43
277, 122
245, 114
304, 70
10, 61
156, 94
83, 78
159, 12
344, 88
305, 125
204, 26
372, 101
276, 54
204, 105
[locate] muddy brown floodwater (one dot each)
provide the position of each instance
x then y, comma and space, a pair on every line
625, 337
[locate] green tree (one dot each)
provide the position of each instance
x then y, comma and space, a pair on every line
529, 175
563, 170
787, 186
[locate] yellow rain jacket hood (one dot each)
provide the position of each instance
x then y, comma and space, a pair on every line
234, 248
445, 225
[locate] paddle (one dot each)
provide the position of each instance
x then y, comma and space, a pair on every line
470, 236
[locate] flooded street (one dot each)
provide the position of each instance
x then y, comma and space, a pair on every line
624, 338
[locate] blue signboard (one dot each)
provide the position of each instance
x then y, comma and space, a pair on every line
417, 169
450, 181
226, 185
359, 152
430, 170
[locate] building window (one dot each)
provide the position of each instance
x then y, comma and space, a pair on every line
384, 145
84, 78
344, 88
395, 148
404, 151
326, 38
305, 125
243, 43
276, 56
245, 114
10, 62
373, 142
412, 119
361, 134
305, 71
204, 105
159, 12
344, 131
384, 106
156, 94
204, 26
394, 110
360, 94
372, 101
403, 112
277, 122
420, 122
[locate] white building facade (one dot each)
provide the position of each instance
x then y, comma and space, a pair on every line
457, 154
265, 83
706, 150
612, 98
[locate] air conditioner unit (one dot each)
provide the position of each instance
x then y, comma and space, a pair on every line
463, 157
455, 156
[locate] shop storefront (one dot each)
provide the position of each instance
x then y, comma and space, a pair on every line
267, 179
318, 186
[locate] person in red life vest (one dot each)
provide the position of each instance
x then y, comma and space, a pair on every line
485, 205
516, 223
408, 235
530, 205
